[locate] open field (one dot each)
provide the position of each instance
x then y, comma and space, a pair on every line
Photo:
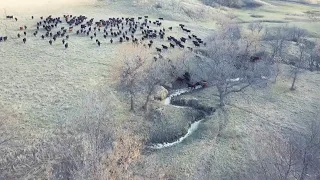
43, 86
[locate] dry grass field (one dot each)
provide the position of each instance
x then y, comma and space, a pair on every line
42, 86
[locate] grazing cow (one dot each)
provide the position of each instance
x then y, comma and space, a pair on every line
149, 45
111, 41
5, 38
24, 40
183, 39
25, 33
196, 43
63, 41
190, 48
254, 58
164, 47
16, 19
25, 27
18, 35
91, 37
99, 43
42, 36
161, 18
171, 45
50, 42
9, 17
66, 45
32, 17
54, 37
21, 28
67, 36
105, 36
158, 49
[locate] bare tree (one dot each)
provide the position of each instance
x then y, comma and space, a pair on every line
132, 66
255, 26
293, 155
229, 65
160, 72
314, 61
300, 63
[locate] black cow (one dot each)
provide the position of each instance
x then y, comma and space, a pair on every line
66, 45
50, 42
171, 45
164, 47
158, 49
254, 58
24, 40
18, 35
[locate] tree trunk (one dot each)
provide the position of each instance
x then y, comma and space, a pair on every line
294, 80
145, 106
131, 102
221, 99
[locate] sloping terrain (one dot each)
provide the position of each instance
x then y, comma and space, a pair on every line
43, 84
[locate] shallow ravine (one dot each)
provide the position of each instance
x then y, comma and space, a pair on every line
192, 128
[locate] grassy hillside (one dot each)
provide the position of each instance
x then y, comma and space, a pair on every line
64, 113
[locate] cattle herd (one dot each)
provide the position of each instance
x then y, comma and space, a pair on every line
139, 31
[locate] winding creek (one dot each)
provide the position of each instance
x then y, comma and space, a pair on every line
193, 127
